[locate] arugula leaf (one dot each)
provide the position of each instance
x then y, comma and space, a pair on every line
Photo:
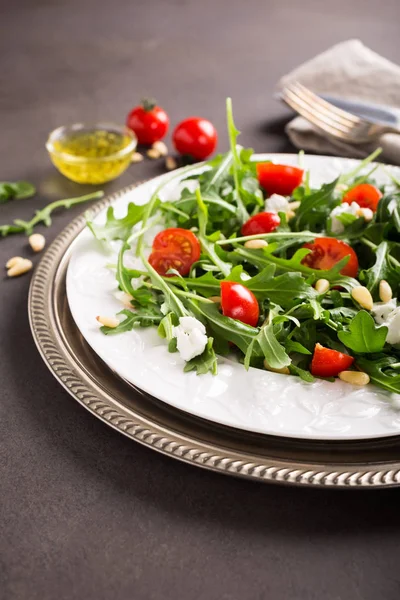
170, 298
153, 202
266, 256
118, 229
302, 373
231, 330
274, 353
170, 207
342, 313
282, 290
381, 372
237, 163
347, 219
15, 190
207, 246
142, 296
292, 346
214, 178
188, 202
336, 298
44, 215
382, 269
207, 284
315, 208
346, 177
363, 335
165, 328
142, 317
9, 229
307, 335
396, 216
123, 274
277, 236
205, 363
385, 206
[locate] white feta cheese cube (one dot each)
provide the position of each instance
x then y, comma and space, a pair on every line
276, 203
337, 226
191, 337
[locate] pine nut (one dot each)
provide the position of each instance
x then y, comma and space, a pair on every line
108, 321
367, 213
294, 205
124, 298
354, 377
283, 370
216, 299
20, 267
361, 295
161, 148
137, 157
153, 154
170, 163
255, 244
290, 214
37, 242
385, 291
13, 261
322, 286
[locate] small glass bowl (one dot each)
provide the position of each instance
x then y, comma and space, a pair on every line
91, 154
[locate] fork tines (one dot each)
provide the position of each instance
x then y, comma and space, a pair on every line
321, 113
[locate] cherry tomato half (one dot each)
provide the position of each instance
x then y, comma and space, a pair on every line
174, 248
279, 179
263, 222
195, 137
326, 252
149, 122
239, 303
365, 194
329, 363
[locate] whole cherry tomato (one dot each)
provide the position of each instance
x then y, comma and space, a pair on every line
263, 222
279, 179
174, 248
365, 194
326, 252
195, 137
239, 303
149, 122
329, 363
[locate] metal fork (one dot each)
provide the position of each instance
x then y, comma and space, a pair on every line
330, 119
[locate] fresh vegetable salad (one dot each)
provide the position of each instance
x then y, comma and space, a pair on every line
253, 261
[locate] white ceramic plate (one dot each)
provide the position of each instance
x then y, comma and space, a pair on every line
256, 400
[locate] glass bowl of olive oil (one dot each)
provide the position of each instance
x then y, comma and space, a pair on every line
91, 153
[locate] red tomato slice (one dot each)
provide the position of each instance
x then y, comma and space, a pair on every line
326, 252
329, 363
365, 194
279, 179
174, 248
239, 303
264, 222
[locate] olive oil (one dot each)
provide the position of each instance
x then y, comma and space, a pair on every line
92, 156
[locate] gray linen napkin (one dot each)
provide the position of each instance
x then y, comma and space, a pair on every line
349, 71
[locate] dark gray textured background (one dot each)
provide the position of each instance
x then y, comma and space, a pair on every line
85, 513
